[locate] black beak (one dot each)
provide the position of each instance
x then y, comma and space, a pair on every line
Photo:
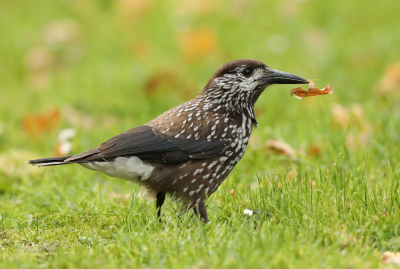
279, 77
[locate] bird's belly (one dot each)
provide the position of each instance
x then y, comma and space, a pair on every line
129, 168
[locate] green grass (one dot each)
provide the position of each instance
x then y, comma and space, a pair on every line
336, 205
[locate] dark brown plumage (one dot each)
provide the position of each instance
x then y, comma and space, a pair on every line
189, 150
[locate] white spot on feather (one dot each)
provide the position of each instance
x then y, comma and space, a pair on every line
198, 171
212, 164
200, 187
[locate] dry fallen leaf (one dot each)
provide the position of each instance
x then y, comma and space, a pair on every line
39, 59
61, 32
141, 49
291, 175
77, 118
165, 78
314, 150
341, 115
132, 10
390, 81
232, 192
344, 116
391, 257
281, 147
120, 197
198, 43
312, 91
193, 8
356, 140
36, 124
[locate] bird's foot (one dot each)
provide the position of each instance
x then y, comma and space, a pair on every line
201, 211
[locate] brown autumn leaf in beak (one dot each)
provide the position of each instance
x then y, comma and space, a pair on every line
312, 91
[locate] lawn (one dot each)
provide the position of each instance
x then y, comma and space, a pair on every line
329, 199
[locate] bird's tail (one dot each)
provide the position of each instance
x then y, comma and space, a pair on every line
49, 161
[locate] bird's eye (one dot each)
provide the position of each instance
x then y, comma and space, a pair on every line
247, 72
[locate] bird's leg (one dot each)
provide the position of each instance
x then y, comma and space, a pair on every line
200, 209
160, 201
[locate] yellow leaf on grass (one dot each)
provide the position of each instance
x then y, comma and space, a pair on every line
61, 32
196, 44
133, 9
390, 81
13, 163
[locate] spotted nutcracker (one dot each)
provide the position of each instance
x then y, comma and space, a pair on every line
188, 151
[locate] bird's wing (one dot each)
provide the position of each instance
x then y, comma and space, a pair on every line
148, 146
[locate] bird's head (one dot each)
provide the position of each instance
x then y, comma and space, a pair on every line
238, 84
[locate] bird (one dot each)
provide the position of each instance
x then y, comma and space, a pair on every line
188, 151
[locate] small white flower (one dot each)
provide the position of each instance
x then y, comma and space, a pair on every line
65, 148
66, 134
248, 212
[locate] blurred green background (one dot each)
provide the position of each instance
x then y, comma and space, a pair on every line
122, 63
102, 67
